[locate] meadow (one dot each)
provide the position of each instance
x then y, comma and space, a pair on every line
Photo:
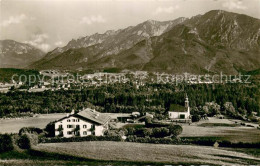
40, 121
140, 152
226, 129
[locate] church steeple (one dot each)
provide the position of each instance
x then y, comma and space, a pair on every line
186, 101
187, 105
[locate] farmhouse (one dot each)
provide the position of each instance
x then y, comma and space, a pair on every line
178, 112
83, 123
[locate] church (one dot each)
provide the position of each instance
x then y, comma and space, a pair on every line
178, 112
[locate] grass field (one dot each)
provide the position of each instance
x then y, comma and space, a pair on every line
233, 134
136, 152
224, 128
34, 157
14, 125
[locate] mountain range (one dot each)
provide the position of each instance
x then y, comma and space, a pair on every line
217, 41
18, 55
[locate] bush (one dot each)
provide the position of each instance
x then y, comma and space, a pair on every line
160, 132
6, 143
116, 132
195, 118
147, 132
175, 130
24, 142
131, 138
131, 130
205, 141
31, 130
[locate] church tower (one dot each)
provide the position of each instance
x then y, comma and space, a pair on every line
187, 104
186, 101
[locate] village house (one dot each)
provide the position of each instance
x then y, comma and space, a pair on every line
178, 112
83, 123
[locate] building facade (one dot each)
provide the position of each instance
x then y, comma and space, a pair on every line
84, 123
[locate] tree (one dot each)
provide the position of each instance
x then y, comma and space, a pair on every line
175, 130
211, 108
24, 142
6, 143
50, 129
229, 109
195, 118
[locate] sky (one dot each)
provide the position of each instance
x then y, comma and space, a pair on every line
47, 24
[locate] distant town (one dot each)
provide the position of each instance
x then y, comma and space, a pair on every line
56, 80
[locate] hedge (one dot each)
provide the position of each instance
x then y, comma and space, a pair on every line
210, 141
80, 139
153, 140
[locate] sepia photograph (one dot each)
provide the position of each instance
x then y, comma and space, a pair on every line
130, 82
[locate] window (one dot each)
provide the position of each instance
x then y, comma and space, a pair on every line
77, 120
84, 126
69, 133
69, 126
60, 126
73, 120
85, 133
68, 120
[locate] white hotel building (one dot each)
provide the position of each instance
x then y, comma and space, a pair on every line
84, 123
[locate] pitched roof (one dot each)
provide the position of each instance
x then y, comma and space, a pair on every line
94, 116
177, 108
91, 115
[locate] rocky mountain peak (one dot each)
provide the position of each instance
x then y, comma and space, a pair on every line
12, 53
215, 41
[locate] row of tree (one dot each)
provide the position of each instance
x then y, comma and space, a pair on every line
207, 99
